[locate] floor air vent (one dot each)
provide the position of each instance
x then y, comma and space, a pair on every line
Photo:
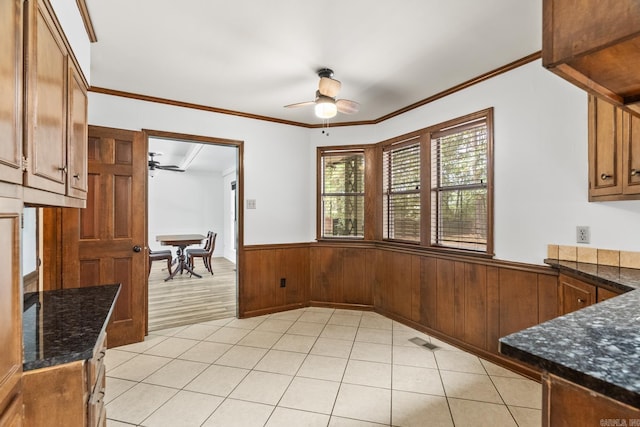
423, 343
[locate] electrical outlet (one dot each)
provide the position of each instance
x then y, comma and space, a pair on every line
582, 234
283, 282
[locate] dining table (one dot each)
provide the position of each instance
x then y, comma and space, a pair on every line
180, 241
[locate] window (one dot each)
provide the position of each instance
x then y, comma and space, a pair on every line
459, 186
401, 190
342, 194
432, 188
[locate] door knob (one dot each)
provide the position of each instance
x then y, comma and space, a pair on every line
137, 248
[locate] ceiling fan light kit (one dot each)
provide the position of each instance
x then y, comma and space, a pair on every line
326, 108
325, 105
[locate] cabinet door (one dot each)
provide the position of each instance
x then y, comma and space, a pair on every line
631, 155
77, 136
11, 91
605, 294
46, 101
10, 302
605, 148
575, 294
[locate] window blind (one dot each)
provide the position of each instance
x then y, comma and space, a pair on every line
459, 215
343, 194
401, 190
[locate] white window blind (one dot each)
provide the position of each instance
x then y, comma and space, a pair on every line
342, 194
459, 215
401, 191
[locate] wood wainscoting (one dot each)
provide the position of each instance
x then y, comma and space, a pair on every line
467, 301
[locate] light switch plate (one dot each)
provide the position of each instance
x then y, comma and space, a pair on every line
251, 203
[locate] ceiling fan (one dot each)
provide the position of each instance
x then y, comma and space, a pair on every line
155, 165
326, 104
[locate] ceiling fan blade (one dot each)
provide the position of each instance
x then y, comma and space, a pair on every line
300, 104
329, 87
173, 168
346, 106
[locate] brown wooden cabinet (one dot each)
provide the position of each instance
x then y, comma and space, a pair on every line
10, 312
595, 44
575, 294
55, 126
71, 394
605, 294
568, 404
614, 152
11, 99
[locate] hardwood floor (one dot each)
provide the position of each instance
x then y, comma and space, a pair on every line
185, 300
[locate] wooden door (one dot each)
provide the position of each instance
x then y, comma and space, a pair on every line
105, 242
11, 84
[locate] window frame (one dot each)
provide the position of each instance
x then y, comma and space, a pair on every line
323, 152
449, 127
374, 191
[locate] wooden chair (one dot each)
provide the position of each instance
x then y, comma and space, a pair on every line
205, 253
160, 255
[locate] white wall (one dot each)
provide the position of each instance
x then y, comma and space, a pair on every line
171, 211
229, 226
276, 159
540, 162
70, 19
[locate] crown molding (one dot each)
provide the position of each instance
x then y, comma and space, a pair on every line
479, 79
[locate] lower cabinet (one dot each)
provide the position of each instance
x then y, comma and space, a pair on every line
70, 394
568, 404
575, 294
12, 415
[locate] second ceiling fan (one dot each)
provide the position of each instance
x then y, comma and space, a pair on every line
326, 104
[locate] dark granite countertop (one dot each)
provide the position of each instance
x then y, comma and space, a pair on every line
616, 278
597, 347
63, 326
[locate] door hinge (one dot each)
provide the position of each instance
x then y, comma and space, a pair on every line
25, 164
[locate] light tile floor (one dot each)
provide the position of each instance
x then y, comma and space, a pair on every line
310, 367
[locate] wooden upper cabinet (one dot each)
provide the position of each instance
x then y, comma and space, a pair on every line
614, 152
77, 137
595, 44
46, 101
631, 155
11, 90
55, 122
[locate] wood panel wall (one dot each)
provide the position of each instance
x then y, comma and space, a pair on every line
466, 301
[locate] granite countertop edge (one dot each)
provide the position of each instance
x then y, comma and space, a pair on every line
85, 351
597, 347
616, 278
601, 386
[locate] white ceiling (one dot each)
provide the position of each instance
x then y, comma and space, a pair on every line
254, 56
207, 158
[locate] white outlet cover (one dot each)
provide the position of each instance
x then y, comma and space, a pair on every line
583, 234
251, 203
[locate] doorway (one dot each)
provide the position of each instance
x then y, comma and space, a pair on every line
193, 187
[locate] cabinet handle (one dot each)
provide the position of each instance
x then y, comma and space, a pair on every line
581, 301
605, 176
63, 169
76, 176
635, 172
